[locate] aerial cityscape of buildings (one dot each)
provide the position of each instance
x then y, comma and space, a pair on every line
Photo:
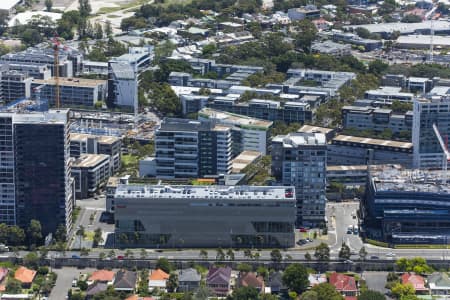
214, 139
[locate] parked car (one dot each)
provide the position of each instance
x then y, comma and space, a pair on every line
350, 229
120, 257
75, 256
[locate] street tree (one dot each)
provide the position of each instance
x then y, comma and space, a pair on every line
417, 264
16, 235
308, 256
322, 252
164, 264
80, 233
276, 256
143, 253
248, 253
48, 4
345, 252
128, 254
295, 277
230, 254
363, 253
220, 255
112, 254
31, 260
97, 237
203, 254
60, 234
34, 232
84, 251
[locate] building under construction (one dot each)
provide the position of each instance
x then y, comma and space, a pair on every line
410, 206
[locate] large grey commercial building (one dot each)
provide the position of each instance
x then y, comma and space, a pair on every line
187, 148
406, 205
82, 143
204, 216
90, 172
353, 150
73, 92
14, 85
431, 128
376, 119
35, 180
70, 60
300, 160
248, 134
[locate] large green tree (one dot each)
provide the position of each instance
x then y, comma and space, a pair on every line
34, 232
322, 252
344, 252
245, 293
371, 295
326, 291
295, 277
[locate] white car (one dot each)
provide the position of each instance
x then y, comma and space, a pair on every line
390, 254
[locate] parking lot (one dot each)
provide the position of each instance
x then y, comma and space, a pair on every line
91, 217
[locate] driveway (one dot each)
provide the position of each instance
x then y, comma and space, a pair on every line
376, 281
64, 281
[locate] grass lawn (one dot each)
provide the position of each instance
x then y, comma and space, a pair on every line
129, 160
107, 10
89, 236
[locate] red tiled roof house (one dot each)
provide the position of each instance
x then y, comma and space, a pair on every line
344, 284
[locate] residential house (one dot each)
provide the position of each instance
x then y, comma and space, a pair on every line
188, 280
95, 288
218, 280
417, 281
315, 279
125, 281
275, 283
25, 276
104, 276
344, 284
439, 284
250, 279
157, 279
